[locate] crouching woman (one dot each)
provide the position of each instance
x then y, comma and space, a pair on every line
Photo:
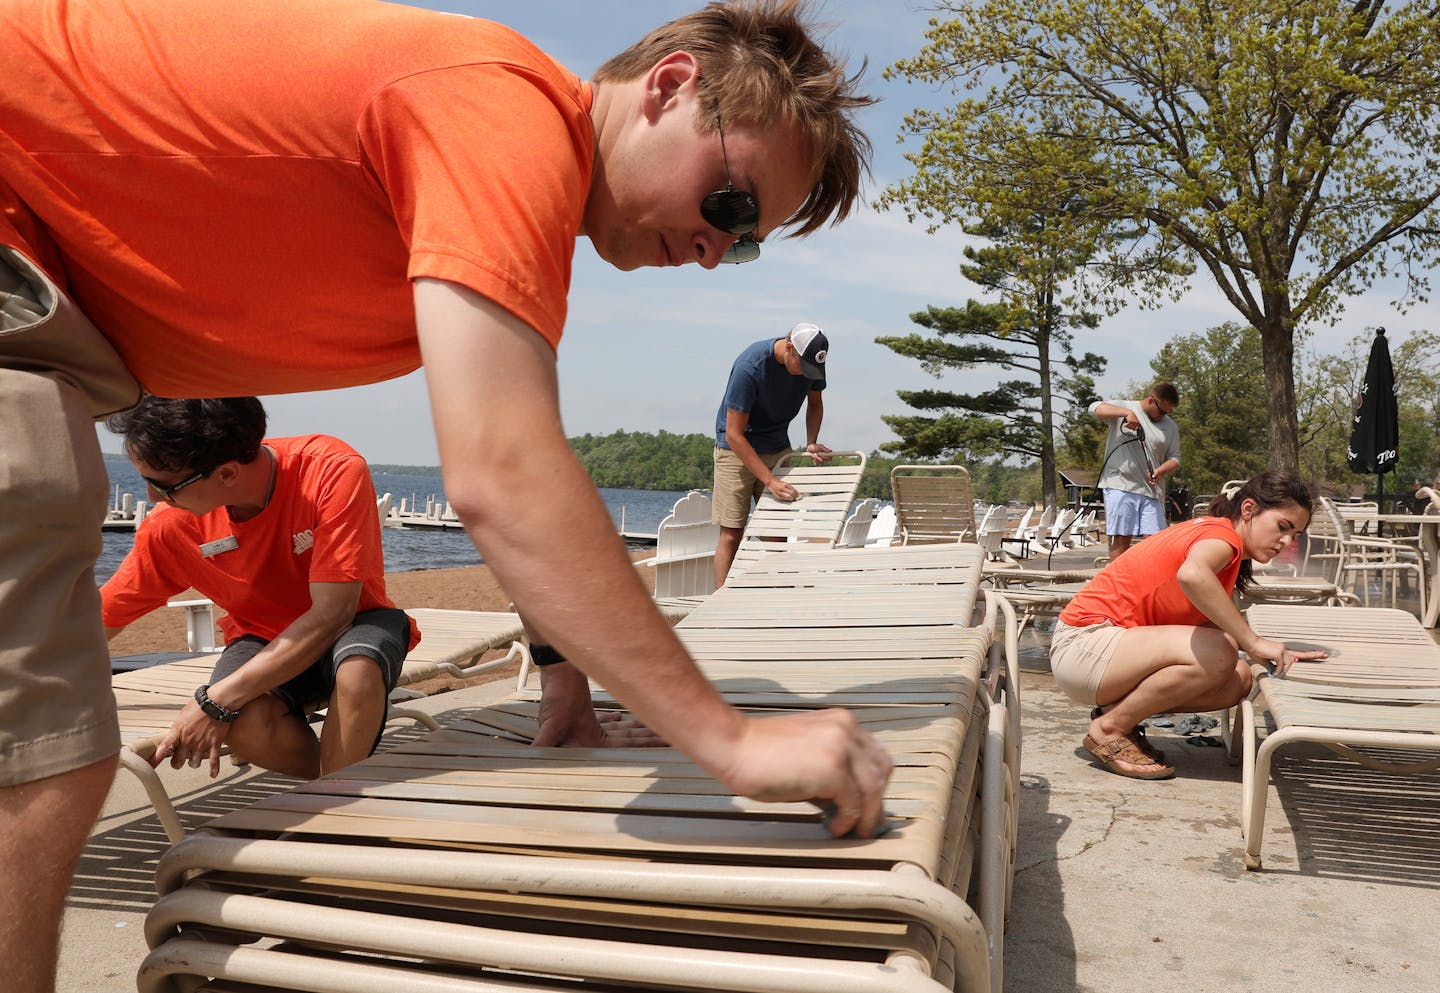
1157, 631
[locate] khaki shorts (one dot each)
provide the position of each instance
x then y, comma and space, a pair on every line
57, 373
736, 488
1080, 656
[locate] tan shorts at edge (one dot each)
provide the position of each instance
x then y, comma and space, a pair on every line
57, 712
1080, 656
735, 488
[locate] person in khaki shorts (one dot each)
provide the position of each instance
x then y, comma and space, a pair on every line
769, 382
389, 188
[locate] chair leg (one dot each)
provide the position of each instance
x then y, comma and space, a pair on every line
155, 790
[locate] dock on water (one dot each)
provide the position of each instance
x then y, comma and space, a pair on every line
436, 516
125, 512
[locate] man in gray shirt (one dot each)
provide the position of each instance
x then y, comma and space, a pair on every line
1141, 449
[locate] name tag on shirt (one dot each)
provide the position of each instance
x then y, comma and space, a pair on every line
226, 544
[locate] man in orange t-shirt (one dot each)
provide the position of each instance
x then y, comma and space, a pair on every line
283, 535
221, 199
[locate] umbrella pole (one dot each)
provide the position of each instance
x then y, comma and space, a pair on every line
1380, 502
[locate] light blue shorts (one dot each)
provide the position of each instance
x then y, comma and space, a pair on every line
1130, 514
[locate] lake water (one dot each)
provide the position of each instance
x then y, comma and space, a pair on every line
407, 549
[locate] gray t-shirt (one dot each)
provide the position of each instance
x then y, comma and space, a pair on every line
1126, 469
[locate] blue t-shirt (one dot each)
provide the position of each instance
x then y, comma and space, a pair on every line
763, 388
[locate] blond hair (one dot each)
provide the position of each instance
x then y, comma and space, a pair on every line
758, 65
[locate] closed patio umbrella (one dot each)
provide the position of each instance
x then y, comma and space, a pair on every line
1375, 432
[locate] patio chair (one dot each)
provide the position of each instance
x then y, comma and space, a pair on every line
1022, 537
1322, 542
1362, 556
882, 528
990, 533
856, 532
1379, 688
684, 559
469, 860
148, 700
933, 503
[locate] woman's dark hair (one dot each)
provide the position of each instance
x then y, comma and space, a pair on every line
1271, 488
191, 435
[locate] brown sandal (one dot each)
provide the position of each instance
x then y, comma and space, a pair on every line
1122, 748
1143, 742
1139, 737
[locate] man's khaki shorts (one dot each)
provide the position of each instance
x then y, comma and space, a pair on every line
57, 372
736, 488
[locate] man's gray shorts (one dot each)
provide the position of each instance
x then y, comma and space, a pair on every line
382, 634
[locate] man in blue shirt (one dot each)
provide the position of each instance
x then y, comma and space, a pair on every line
768, 383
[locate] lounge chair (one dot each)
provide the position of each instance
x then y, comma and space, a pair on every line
1271, 588
933, 503
814, 522
1036, 593
1379, 688
149, 699
469, 860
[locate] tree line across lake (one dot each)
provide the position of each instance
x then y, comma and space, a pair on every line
642, 460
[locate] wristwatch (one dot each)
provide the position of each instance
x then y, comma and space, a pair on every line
212, 709
543, 655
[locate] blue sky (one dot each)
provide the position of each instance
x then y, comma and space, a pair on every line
651, 349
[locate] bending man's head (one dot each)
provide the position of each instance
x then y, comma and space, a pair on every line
748, 70
191, 436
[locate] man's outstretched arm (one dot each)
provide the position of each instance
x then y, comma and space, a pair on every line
735, 423
814, 417
535, 516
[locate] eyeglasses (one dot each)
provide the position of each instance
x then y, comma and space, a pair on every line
733, 211
168, 491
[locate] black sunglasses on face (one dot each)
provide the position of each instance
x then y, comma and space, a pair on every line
168, 491
733, 211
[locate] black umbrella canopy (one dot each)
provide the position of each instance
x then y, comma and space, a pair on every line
1375, 433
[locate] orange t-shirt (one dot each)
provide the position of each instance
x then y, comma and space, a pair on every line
320, 526
238, 194
1140, 588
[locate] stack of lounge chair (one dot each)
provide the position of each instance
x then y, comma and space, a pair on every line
469, 860
1378, 689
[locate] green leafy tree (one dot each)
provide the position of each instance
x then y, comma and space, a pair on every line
1223, 409
639, 460
1286, 147
1031, 330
